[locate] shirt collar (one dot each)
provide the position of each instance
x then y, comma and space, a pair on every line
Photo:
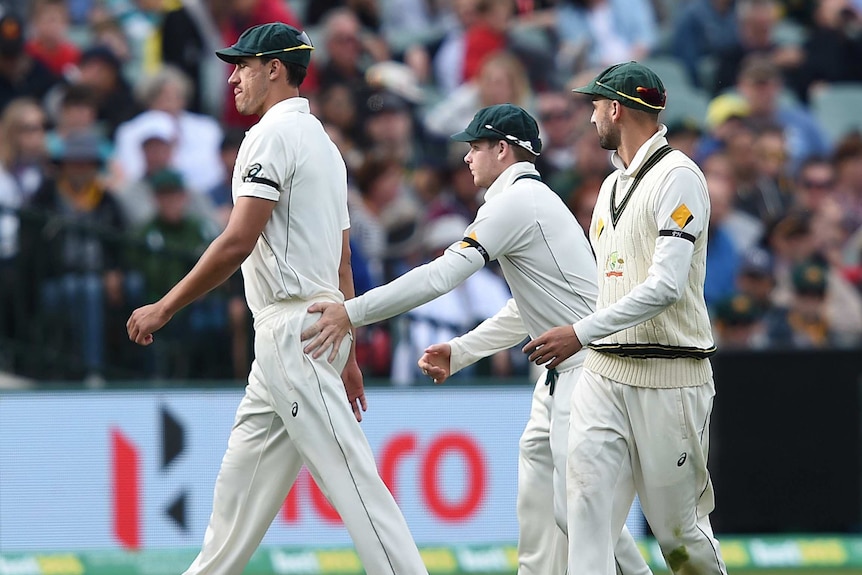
508, 176
296, 104
645, 151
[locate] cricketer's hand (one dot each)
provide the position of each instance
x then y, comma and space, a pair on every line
436, 362
554, 346
329, 330
352, 379
144, 321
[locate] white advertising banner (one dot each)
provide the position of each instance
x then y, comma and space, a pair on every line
135, 470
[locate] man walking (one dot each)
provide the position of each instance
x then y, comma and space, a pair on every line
640, 413
547, 263
289, 231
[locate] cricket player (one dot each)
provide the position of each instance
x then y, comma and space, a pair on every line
640, 413
289, 231
549, 267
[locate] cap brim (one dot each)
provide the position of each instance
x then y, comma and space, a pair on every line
231, 55
463, 136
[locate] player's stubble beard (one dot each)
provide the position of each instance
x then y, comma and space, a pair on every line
609, 135
250, 100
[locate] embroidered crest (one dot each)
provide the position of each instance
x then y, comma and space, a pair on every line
614, 265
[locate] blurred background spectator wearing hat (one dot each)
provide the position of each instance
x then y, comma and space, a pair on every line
202, 328
77, 222
739, 323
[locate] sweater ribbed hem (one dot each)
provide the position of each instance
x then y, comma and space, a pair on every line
655, 373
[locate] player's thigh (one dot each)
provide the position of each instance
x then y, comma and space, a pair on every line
598, 435
671, 435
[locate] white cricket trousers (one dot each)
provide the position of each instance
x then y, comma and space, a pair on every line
542, 541
655, 442
295, 412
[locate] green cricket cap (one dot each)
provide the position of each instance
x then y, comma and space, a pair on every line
503, 122
631, 84
275, 39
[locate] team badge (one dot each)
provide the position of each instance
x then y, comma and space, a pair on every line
614, 265
682, 216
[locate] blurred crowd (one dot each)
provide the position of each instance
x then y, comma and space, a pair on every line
118, 136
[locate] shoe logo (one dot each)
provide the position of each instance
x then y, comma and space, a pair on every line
679, 462
294, 409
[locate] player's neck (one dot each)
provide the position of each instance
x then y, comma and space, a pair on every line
279, 95
632, 139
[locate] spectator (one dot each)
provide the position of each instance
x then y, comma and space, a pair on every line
77, 111
757, 20
377, 193
684, 135
755, 277
804, 323
21, 171
479, 297
501, 80
349, 51
20, 74
49, 37
598, 33
70, 236
760, 84
448, 55
190, 36
157, 132
767, 191
340, 117
557, 123
486, 35
722, 257
579, 185
848, 179
833, 48
701, 30
23, 152
739, 324
100, 70
169, 245
197, 136
744, 229
793, 243
388, 128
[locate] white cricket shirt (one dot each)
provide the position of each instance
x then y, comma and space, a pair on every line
288, 158
543, 253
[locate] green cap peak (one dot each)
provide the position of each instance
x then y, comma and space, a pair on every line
275, 39
503, 122
631, 84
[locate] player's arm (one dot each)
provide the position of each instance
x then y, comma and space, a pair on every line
497, 333
352, 375
499, 228
666, 277
418, 286
220, 260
